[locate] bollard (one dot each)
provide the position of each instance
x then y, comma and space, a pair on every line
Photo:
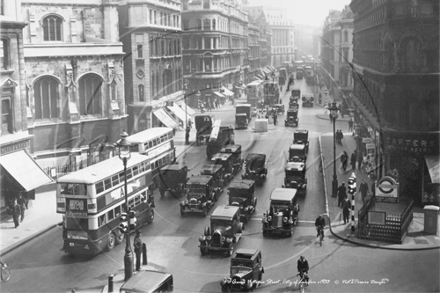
110, 283
144, 254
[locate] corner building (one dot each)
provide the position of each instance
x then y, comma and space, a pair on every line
396, 90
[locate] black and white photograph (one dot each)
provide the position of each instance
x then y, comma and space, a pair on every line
204, 146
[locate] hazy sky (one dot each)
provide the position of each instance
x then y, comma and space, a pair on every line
312, 12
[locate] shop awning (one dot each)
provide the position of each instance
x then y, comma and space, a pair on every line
227, 92
433, 165
180, 113
266, 71
271, 67
186, 108
219, 94
25, 170
165, 118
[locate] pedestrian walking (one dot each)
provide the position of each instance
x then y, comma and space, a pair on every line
342, 193
350, 124
16, 212
360, 159
21, 203
353, 160
137, 243
331, 117
338, 137
363, 189
346, 207
345, 163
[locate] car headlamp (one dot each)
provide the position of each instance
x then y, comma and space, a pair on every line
285, 219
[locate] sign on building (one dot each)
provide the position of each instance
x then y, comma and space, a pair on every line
387, 190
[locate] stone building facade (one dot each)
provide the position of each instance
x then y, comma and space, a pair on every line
396, 90
74, 79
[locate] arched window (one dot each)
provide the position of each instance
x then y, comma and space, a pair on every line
213, 24
90, 95
52, 28
141, 94
46, 95
412, 58
206, 4
206, 24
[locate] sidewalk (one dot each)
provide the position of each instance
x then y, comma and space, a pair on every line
415, 239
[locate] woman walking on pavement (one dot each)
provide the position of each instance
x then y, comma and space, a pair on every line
16, 213
342, 193
346, 206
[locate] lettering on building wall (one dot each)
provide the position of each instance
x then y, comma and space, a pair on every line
15, 147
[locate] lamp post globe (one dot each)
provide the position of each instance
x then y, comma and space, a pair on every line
123, 146
334, 115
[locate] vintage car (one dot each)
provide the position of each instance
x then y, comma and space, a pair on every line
220, 136
295, 96
237, 161
172, 178
293, 105
278, 109
227, 161
148, 279
241, 121
297, 153
283, 212
217, 174
295, 176
244, 109
301, 136
225, 230
255, 168
241, 194
201, 195
246, 271
291, 118
307, 100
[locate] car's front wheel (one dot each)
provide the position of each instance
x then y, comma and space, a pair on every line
203, 248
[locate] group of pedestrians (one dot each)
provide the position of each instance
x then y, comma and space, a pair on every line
17, 209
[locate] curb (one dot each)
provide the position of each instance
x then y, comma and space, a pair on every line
348, 238
26, 240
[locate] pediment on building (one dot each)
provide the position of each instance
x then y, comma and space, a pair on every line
8, 82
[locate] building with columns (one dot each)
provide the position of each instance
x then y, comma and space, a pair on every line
215, 47
74, 80
396, 92
254, 50
152, 37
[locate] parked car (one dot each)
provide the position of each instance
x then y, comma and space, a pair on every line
255, 168
226, 160
291, 118
280, 217
246, 271
173, 178
241, 194
307, 101
217, 174
237, 161
295, 176
225, 230
301, 136
297, 153
241, 121
201, 195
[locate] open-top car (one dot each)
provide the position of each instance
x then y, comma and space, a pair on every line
241, 194
282, 212
216, 171
295, 176
237, 161
297, 153
226, 160
278, 109
307, 100
291, 118
172, 178
225, 230
241, 121
255, 168
201, 195
301, 136
246, 271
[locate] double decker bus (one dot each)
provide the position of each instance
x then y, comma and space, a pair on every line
157, 144
254, 92
92, 200
271, 92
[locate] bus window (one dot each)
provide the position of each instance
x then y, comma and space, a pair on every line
154, 142
99, 187
77, 224
150, 143
117, 211
111, 214
115, 180
137, 200
101, 220
129, 174
135, 170
156, 164
152, 166
107, 183
131, 203
121, 177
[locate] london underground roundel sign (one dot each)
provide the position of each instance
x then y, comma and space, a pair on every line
387, 187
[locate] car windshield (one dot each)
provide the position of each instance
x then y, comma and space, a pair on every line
298, 136
195, 188
216, 224
291, 173
240, 269
278, 204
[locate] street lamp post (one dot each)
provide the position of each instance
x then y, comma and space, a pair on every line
124, 154
334, 114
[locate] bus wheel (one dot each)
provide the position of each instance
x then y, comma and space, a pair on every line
150, 217
119, 237
111, 241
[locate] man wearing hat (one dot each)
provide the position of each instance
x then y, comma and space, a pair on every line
138, 249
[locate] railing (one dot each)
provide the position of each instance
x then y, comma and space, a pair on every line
64, 169
394, 230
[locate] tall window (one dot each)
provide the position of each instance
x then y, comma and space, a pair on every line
140, 53
151, 16
4, 51
6, 116
90, 96
46, 95
412, 55
52, 28
345, 36
206, 24
199, 24
213, 24
141, 93
153, 84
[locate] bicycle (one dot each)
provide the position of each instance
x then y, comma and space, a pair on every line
6, 272
320, 230
302, 282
